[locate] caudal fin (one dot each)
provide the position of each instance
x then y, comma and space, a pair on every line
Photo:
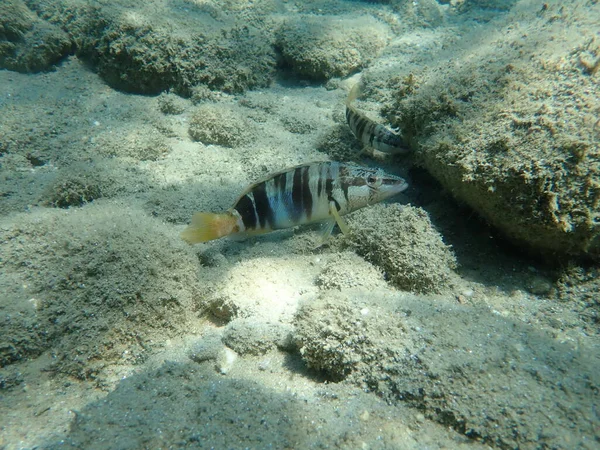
354, 93
209, 226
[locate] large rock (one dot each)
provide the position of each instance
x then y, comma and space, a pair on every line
510, 127
149, 49
322, 47
27, 43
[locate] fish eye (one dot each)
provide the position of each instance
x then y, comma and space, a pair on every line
371, 180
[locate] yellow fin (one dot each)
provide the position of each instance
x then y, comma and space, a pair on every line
354, 93
209, 226
338, 218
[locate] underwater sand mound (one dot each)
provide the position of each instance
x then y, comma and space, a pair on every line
506, 384
102, 282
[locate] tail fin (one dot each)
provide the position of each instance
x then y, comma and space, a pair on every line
209, 226
354, 93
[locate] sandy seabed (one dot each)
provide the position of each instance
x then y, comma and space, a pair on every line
423, 328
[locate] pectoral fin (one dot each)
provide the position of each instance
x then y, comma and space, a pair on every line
325, 232
334, 212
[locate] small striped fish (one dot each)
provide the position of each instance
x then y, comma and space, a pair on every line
309, 193
370, 133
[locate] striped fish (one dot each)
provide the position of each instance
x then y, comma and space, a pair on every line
317, 192
370, 133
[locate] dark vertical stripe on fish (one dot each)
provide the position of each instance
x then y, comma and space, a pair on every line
371, 130
329, 186
245, 207
351, 118
280, 181
344, 182
372, 138
320, 176
306, 195
263, 207
297, 194
360, 128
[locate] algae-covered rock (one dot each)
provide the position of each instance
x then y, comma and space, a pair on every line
141, 143
85, 181
403, 242
484, 10
425, 13
170, 104
208, 347
273, 287
515, 136
413, 350
76, 189
213, 124
341, 335
339, 143
322, 47
349, 270
27, 43
256, 337
103, 282
152, 48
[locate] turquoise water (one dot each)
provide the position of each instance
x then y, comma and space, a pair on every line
460, 313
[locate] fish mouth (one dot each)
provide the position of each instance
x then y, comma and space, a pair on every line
391, 188
395, 186
402, 186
